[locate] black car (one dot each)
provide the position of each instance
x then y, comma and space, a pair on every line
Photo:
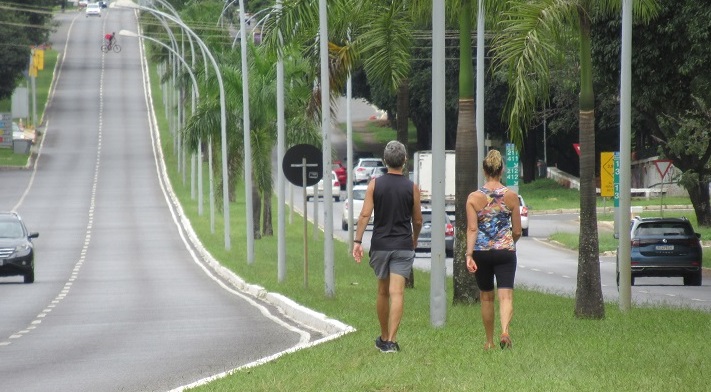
17, 255
666, 247
103, 4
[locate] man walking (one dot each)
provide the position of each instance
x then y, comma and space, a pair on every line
396, 226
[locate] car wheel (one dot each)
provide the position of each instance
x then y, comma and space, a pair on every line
525, 232
337, 198
344, 225
30, 276
693, 279
308, 198
617, 279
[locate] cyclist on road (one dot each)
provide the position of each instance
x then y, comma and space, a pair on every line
110, 39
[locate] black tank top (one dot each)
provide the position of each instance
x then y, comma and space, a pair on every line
392, 223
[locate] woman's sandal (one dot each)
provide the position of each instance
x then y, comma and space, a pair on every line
505, 341
489, 346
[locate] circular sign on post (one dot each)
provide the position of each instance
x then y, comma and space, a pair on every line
293, 164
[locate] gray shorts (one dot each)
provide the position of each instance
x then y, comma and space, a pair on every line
386, 262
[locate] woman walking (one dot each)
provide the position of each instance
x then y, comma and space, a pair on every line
493, 227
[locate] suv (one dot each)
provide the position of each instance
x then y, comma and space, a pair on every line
17, 256
664, 247
362, 170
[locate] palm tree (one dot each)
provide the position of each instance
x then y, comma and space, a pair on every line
525, 48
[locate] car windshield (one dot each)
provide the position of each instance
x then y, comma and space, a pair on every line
663, 229
371, 163
427, 217
359, 194
10, 229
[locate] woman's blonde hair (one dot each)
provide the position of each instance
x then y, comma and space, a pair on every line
493, 164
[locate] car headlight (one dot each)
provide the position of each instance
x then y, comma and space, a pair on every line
23, 250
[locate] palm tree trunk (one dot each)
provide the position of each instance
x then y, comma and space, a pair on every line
267, 228
466, 290
588, 297
403, 111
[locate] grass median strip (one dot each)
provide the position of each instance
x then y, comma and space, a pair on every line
655, 349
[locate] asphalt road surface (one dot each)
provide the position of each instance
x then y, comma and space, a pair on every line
121, 301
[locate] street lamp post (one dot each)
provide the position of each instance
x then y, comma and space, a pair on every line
223, 114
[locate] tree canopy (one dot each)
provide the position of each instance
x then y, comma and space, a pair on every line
22, 25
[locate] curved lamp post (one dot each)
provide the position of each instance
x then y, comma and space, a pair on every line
223, 114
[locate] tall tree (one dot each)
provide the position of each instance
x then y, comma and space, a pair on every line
22, 25
671, 100
525, 47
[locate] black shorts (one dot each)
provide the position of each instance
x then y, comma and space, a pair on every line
495, 263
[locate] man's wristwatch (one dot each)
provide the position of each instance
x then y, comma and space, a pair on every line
358, 241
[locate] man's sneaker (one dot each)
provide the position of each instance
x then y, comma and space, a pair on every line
381, 344
385, 346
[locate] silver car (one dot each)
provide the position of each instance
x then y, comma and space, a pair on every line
424, 241
363, 169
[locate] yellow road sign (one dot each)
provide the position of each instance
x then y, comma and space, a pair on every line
607, 174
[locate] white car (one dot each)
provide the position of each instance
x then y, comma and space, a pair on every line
93, 9
362, 170
358, 198
335, 188
524, 216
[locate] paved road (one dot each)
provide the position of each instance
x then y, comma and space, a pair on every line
121, 300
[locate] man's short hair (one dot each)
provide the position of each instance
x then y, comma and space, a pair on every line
395, 155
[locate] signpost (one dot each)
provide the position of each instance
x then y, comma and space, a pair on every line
512, 172
663, 166
303, 166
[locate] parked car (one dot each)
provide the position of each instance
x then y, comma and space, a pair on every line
103, 4
358, 198
335, 188
377, 172
424, 241
93, 9
523, 209
362, 169
341, 173
17, 255
82, 3
666, 247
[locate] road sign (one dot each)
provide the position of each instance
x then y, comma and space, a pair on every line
293, 164
662, 166
616, 172
512, 172
607, 174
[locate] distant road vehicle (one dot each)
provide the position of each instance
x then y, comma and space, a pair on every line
17, 255
523, 209
362, 169
335, 188
93, 9
341, 173
424, 241
377, 172
358, 199
422, 162
666, 247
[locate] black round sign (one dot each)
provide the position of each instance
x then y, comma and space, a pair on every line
293, 164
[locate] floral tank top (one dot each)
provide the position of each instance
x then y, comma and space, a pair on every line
494, 222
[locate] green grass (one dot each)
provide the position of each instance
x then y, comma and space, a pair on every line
379, 133
653, 349
546, 194
42, 84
